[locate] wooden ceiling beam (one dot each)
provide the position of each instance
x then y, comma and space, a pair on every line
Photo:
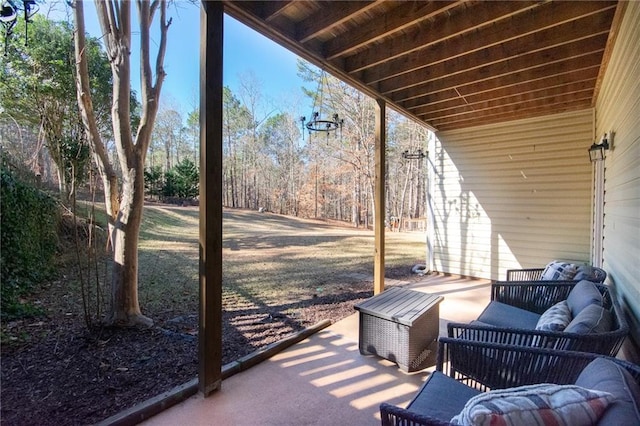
330, 16
463, 19
501, 75
478, 62
578, 90
480, 102
532, 106
273, 9
495, 61
488, 89
474, 93
513, 114
564, 74
402, 17
255, 15
546, 25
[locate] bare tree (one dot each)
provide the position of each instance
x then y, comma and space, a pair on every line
280, 160
236, 126
167, 134
124, 200
251, 96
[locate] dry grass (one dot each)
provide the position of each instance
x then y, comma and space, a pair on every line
267, 259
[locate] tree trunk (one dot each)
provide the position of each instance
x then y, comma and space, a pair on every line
125, 308
419, 191
355, 207
404, 190
124, 208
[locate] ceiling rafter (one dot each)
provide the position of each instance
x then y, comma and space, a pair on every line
448, 97
496, 61
455, 64
550, 23
514, 112
513, 84
502, 75
402, 17
460, 22
330, 17
273, 9
573, 89
563, 82
266, 15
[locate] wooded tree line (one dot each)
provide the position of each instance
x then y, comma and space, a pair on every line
274, 162
270, 162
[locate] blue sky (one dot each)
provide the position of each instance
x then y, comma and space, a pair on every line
245, 51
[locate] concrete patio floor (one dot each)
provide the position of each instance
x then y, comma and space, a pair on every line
323, 380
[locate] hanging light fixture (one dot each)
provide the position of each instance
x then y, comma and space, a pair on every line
8, 19
318, 123
419, 155
9, 16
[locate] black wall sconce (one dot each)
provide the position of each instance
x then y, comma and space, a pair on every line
596, 151
413, 155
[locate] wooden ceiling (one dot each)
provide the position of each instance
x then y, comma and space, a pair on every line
450, 64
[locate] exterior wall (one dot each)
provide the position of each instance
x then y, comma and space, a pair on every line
512, 195
618, 110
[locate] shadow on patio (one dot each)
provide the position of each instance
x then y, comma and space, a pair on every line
324, 380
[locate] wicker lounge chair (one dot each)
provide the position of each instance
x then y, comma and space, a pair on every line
558, 271
447, 392
514, 313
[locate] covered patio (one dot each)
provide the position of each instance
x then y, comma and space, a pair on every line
516, 92
324, 380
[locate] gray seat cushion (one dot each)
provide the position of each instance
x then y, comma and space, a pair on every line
502, 315
583, 294
441, 397
592, 319
605, 375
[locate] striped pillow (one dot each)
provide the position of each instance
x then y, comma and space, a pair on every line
542, 404
556, 318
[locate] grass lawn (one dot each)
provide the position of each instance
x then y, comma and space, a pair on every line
268, 259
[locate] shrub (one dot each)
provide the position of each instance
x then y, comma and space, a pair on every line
28, 224
182, 181
153, 181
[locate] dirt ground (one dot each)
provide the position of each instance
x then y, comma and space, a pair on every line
55, 371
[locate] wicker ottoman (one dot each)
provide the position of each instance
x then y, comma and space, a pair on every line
402, 326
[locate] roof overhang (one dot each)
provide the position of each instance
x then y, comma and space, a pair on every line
450, 64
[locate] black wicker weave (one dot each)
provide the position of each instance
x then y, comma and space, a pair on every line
538, 296
535, 274
400, 325
506, 366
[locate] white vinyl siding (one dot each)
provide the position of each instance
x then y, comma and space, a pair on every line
512, 195
618, 110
